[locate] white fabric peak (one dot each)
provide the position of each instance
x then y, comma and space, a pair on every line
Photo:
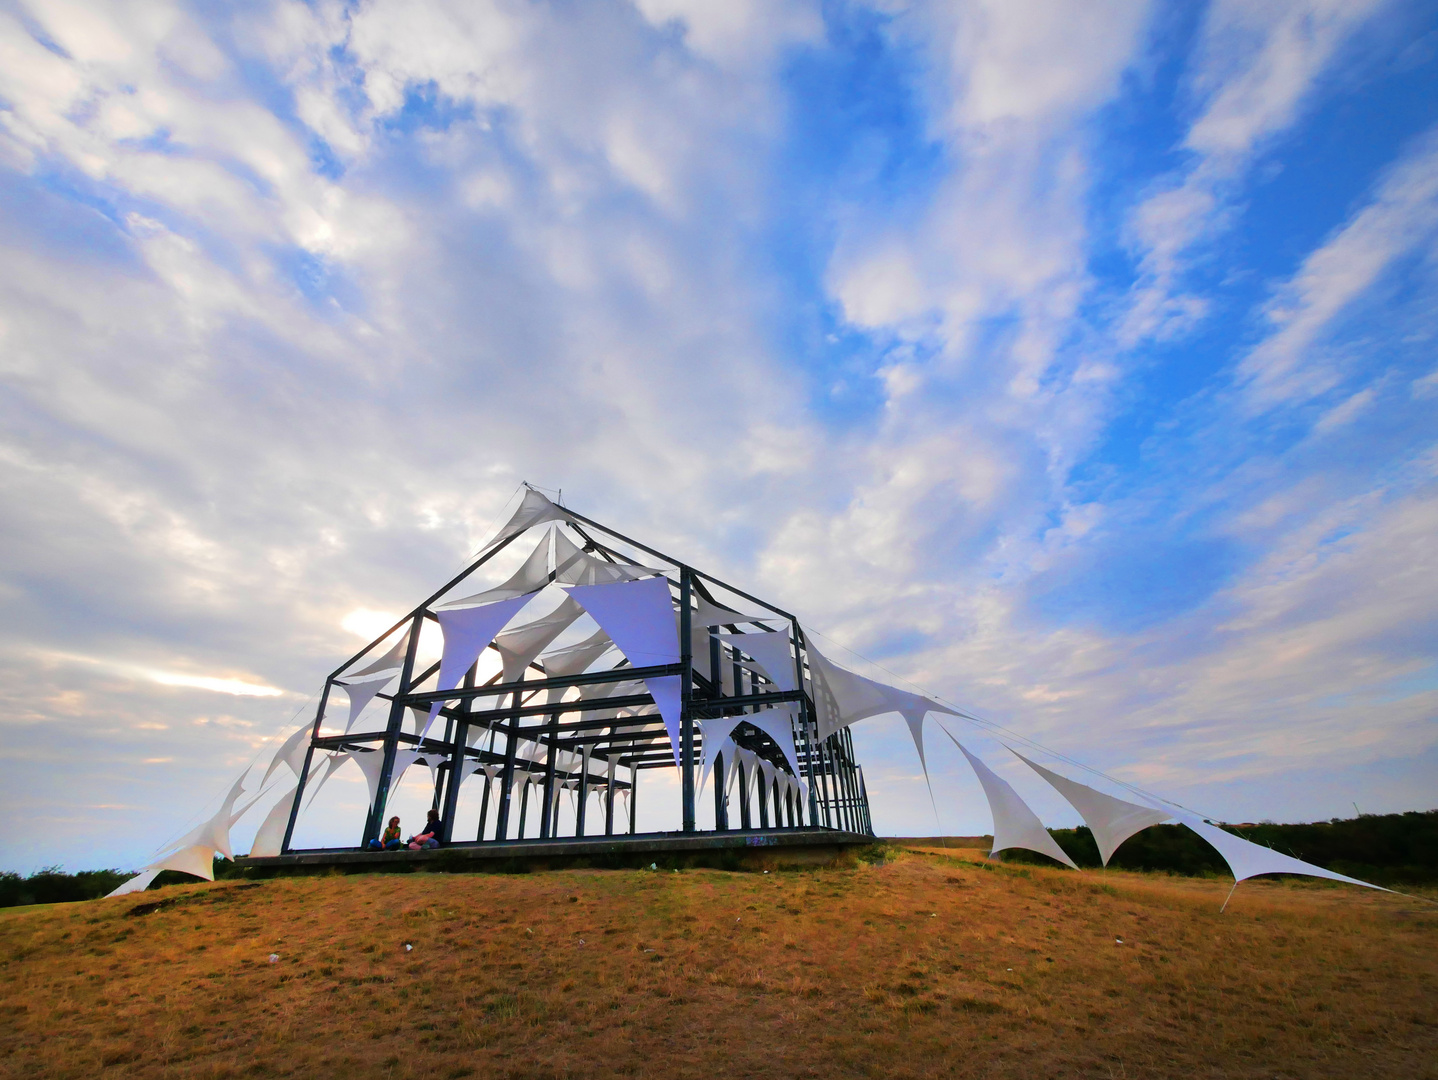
1015, 825
573, 659
1111, 820
532, 575
533, 510
519, 646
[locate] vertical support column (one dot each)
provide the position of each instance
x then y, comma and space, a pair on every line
546, 820
580, 814
609, 800
808, 721
506, 779
686, 685
391, 734
744, 822
524, 805
484, 806
304, 776
633, 796
453, 777
864, 802
761, 789
721, 813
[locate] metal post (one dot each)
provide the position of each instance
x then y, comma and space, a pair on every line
609, 801
580, 814
633, 796
391, 735
761, 790
546, 819
721, 814
524, 806
686, 685
506, 783
305, 768
483, 807
456, 763
744, 822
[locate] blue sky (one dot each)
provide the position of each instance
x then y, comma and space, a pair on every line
1075, 364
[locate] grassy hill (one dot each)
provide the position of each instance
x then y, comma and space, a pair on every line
927, 964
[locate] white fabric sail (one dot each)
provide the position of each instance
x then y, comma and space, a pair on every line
637, 615
715, 741
1015, 825
139, 883
842, 697
778, 724
534, 509
667, 693
1247, 859
467, 631
291, 752
391, 660
1111, 820
772, 652
573, 659
360, 695
198, 859
519, 646
531, 576
271, 834
575, 567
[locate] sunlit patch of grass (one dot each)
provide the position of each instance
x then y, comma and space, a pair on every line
924, 962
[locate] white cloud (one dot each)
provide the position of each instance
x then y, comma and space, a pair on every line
1256, 67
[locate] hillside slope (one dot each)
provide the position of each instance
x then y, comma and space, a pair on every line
931, 964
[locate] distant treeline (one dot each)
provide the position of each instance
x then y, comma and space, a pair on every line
1386, 849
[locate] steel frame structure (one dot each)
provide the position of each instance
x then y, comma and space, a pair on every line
837, 796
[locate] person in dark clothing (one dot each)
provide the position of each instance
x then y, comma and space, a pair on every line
429, 836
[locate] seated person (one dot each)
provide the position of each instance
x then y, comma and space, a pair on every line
390, 841
429, 836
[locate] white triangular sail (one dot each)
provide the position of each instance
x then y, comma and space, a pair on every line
1111, 820
291, 752
1247, 859
532, 575
519, 646
467, 632
534, 509
360, 695
139, 883
271, 834
667, 693
637, 615
1015, 825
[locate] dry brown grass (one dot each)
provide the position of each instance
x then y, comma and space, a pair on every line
928, 965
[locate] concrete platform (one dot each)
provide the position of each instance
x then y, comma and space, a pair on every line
735, 850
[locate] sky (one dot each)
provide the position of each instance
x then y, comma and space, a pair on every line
1075, 363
